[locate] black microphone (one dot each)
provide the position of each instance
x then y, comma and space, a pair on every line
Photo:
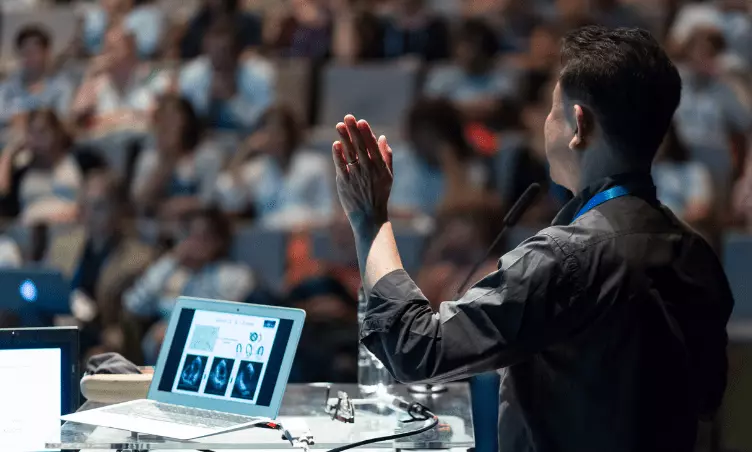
510, 219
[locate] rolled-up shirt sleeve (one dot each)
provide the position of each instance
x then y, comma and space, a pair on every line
505, 318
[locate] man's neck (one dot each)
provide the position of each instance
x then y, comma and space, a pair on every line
603, 164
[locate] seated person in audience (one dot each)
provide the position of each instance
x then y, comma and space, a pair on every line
302, 30
710, 114
197, 267
684, 186
116, 93
438, 168
542, 57
178, 176
101, 259
282, 184
143, 18
230, 93
459, 242
414, 30
474, 83
35, 84
513, 21
39, 177
327, 351
357, 34
212, 11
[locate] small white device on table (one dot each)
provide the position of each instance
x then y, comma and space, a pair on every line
223, 366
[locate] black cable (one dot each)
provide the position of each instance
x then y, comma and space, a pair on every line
417, 412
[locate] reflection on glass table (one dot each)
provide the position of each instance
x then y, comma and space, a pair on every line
303, 412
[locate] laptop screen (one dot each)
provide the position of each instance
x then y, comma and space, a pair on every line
38, 383
226, 356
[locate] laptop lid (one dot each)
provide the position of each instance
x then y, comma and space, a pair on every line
34, 289
39, 379
226, 356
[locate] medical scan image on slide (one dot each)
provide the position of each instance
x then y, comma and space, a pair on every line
247, 380
219, 376
193, 370
226, 356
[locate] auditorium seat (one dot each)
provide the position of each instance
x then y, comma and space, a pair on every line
61, 22
264, 250
380, 93
737, 256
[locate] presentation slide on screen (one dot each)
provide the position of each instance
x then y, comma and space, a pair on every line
226, 356
30, 394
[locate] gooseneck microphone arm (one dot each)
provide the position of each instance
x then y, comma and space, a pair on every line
511, 219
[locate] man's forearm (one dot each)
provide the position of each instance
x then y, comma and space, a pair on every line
377, 253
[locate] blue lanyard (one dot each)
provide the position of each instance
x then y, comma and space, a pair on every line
600, 198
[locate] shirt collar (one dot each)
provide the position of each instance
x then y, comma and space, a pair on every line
638, 184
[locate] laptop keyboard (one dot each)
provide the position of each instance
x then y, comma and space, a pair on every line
176, 414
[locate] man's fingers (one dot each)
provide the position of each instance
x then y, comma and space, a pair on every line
386, 152
348, 150
372, 146
357, 140
340, 164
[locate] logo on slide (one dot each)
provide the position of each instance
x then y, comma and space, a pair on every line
28, 291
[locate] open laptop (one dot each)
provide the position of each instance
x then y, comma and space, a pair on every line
32, 291
223, 366
39, 378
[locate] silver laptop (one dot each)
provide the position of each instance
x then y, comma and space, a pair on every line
223, 366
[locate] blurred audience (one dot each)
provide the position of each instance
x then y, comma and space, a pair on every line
35, 84
142, 18
271, 176
412, 29
116, 92
475, 84
302, 30
40, 179
437, 169
230, 93
102, 258
684, 186
177, 177
710, 114
249, 26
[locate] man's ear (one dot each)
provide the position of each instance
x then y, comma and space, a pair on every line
579, 141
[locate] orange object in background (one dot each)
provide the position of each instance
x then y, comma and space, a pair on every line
483, 139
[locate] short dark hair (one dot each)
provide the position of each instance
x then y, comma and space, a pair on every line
442, 116
33, 31
627, 80
480, 33
193, 130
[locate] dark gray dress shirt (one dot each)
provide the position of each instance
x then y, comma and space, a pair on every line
609, 331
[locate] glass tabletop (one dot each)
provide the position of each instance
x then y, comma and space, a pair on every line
303, 411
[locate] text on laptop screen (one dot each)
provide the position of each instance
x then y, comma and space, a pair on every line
227, 356
30, 383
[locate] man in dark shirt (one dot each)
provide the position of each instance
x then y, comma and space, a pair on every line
609, 327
